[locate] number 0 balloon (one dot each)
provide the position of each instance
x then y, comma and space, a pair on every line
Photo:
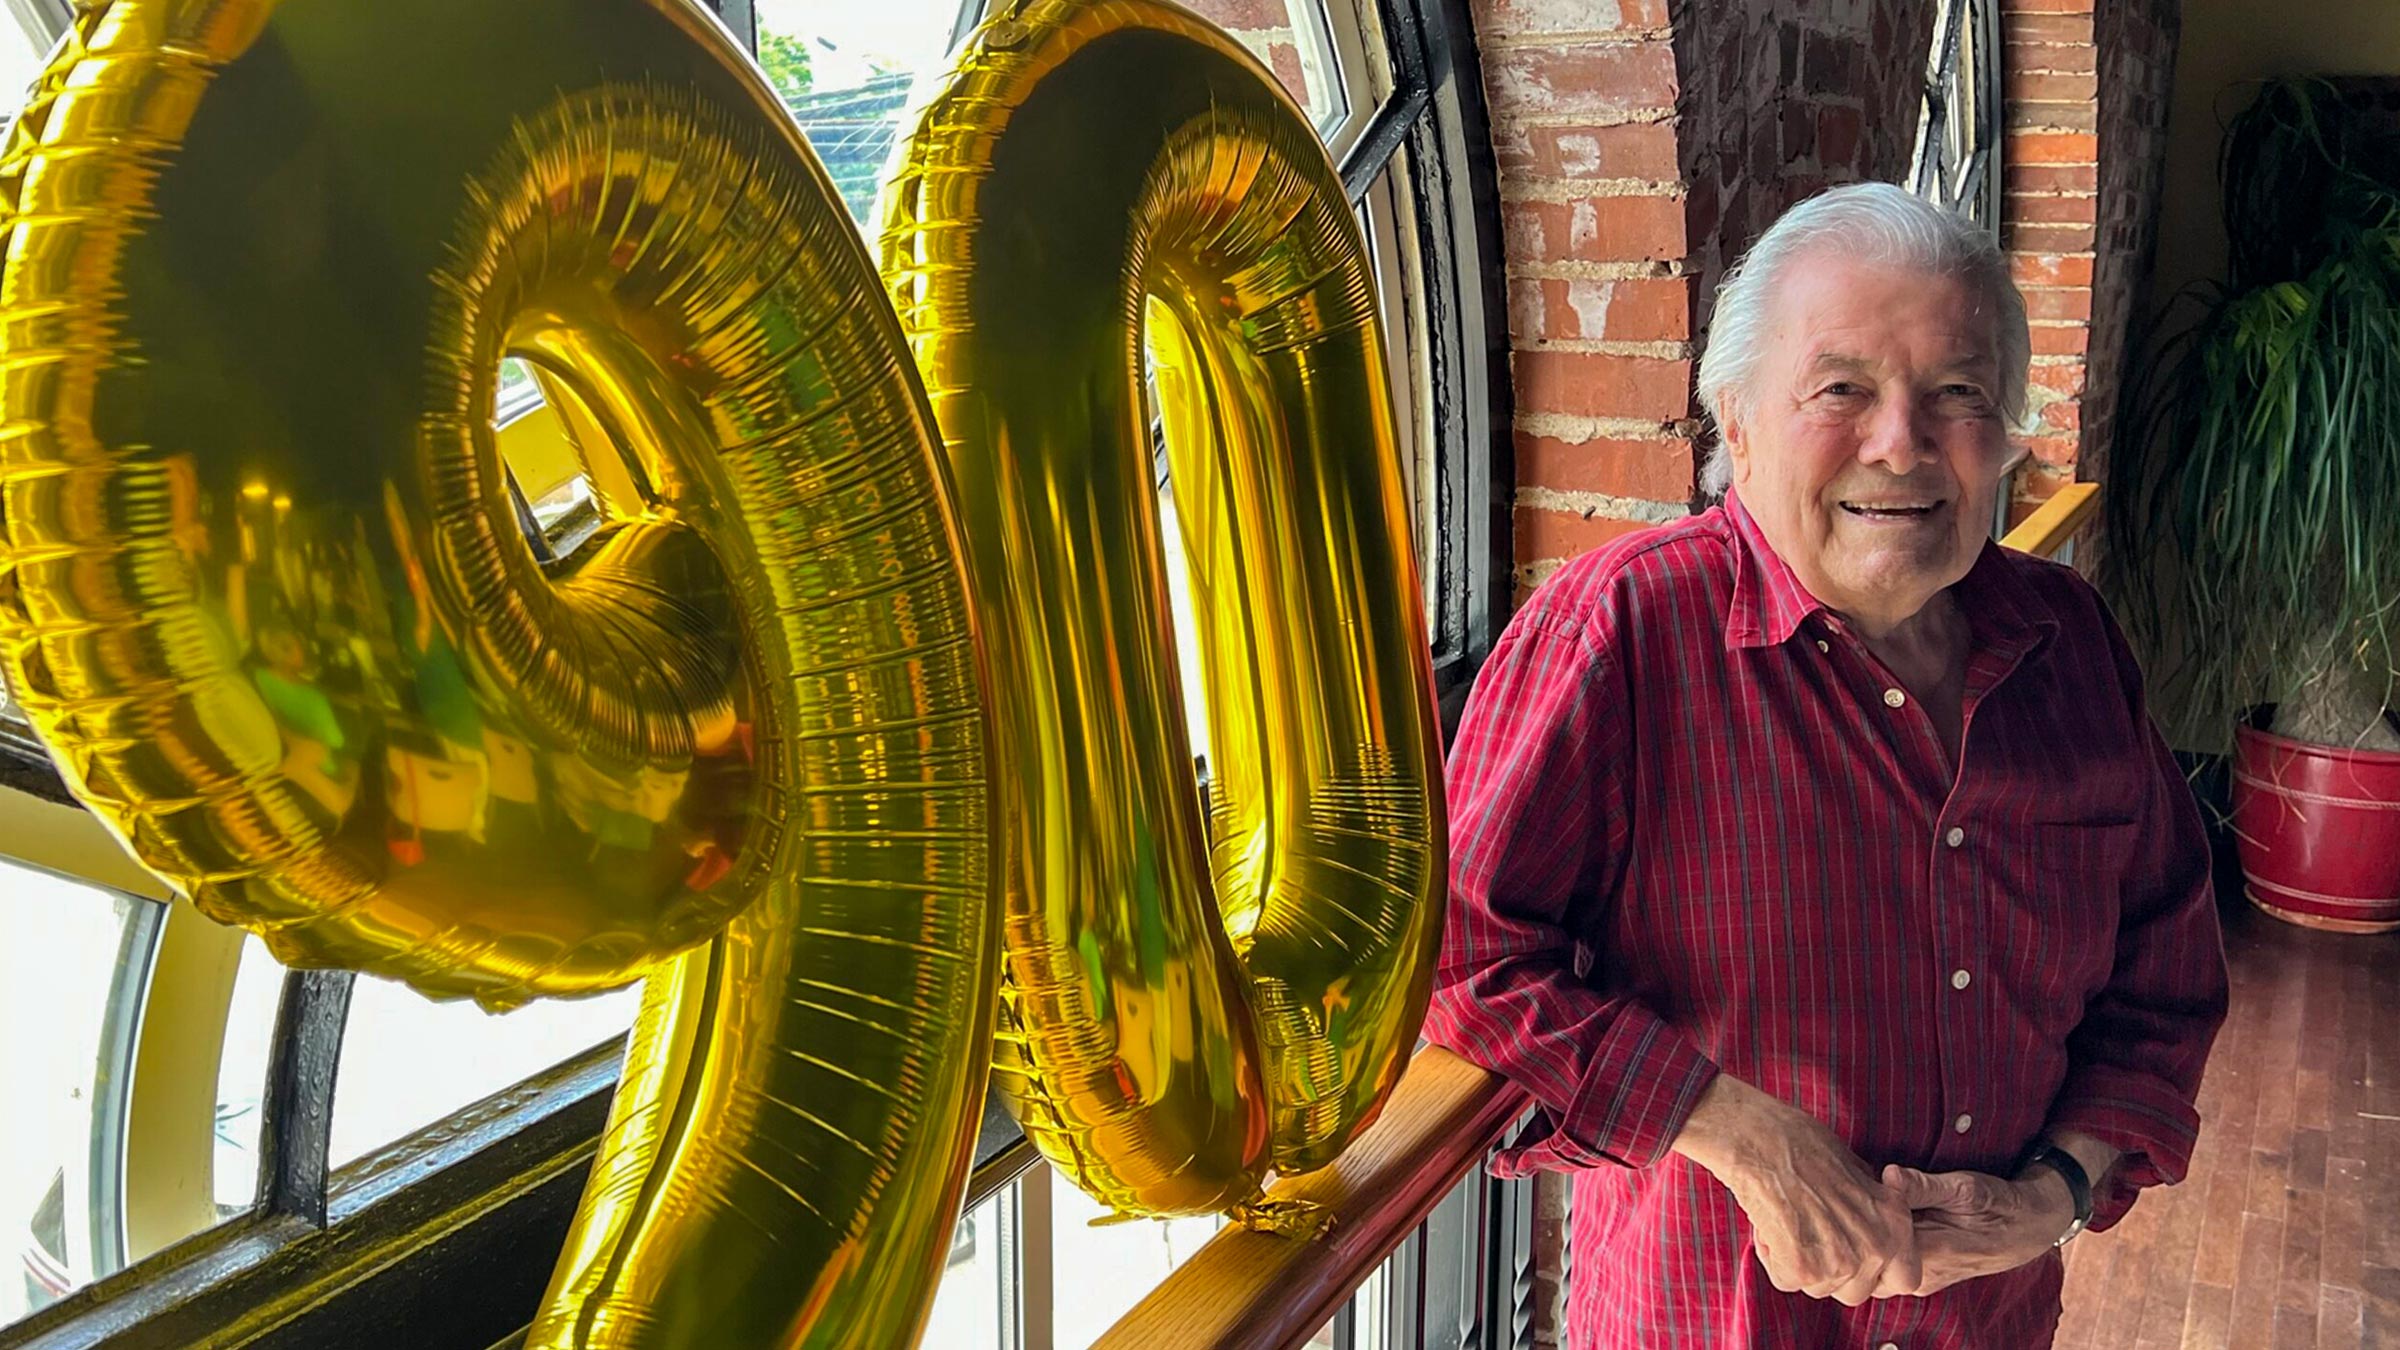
795, 724
1196, 990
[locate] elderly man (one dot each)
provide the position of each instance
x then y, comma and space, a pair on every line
1814, 862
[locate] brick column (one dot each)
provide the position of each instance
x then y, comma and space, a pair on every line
2085, 100
1583, 106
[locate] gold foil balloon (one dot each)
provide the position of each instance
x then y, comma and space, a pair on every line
269, 595
266, 595
1196, 989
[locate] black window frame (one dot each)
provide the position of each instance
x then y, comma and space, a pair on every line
448, 1236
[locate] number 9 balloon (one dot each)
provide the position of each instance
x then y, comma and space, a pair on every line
268, 600
265, 593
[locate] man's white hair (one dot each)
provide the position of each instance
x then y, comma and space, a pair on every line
1874, 223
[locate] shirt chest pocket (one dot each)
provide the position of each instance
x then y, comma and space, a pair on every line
2053, 902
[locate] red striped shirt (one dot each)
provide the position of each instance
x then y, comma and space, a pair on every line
1696, 824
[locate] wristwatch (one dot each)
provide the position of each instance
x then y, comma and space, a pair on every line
2079, 1184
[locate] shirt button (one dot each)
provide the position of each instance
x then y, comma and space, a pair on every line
1893, 698
1889, 1345
1963, 1124
1823, 645
1956, 837
1960, 979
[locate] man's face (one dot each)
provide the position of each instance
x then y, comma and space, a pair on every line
1871, 447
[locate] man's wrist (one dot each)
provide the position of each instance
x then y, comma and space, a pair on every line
2053, 1200
1715, 1133
2096, 1158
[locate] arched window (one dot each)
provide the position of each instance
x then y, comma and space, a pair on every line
195, 1133
1957, 162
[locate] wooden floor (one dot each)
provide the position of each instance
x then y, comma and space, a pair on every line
2287, 1231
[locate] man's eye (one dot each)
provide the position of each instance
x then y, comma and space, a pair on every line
1841, 389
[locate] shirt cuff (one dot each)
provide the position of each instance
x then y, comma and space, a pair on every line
1640, 1087
2152, 1127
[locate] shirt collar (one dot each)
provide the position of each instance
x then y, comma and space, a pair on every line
1768, 600
1769, 603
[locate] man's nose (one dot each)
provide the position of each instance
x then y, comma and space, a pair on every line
1897, 438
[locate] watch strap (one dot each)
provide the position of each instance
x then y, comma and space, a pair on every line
2079, 1183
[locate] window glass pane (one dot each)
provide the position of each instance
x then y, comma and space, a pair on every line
1098, 1274
71, 976
1292, 38
23, 49
845, 70
969, 1311
408, 1061
242, 1076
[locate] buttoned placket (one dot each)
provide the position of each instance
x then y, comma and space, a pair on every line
1957, 923
1962, 919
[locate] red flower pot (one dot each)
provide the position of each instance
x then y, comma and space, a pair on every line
2318, 827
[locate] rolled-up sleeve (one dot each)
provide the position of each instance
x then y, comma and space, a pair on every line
1539, 823
2134, 1062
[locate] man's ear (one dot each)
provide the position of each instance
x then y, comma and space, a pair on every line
1732, 433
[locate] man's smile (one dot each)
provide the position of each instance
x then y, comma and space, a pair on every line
1893, 510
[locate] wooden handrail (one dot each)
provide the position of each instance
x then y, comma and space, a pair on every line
1259, 1289
2055, 521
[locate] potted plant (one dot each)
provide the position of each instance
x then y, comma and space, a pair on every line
2254, 513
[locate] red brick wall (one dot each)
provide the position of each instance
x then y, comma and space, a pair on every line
1582, 97
1642, 144
2086, 89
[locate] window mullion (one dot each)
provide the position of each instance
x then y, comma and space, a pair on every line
1403, 23
970, 14
1386, 134
1036, 1319
295, 1129
1388, 130
50, 18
